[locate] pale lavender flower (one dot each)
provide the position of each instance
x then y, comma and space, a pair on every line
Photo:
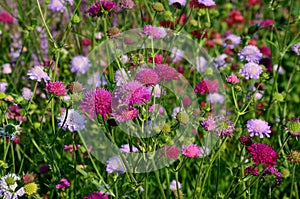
296, 48
154, 32
126, 4
251, 71
231, 41
27, 93
181, 2
209, 124
74, 121
220, 60
59, 5
280, 70
201, 64
37, 73
215, 98
250, 53
258, 127
3, 86
125, 148
97, 81
80, 64
173, 185
176, 54
114, 164
175, 111
204, 151
121, 77
6, 68
208, 3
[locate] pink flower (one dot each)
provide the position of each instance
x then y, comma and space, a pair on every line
158, 58
165, 72
262, 154
191, 151
96, 195
232, 79
97, 102
265, 50
63, 183
147, 76
206, 86
57, 88
5, 17
171, 152
267, 22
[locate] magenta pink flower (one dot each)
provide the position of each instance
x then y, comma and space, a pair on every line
262, 154
232, 79
57, 88
63, 183
166, 72
124, 115
206, 86
170, 152
147, 76
158, 58
96, 195
191, 151
252, 170
97, 102
140, 96
5, 17
267, 22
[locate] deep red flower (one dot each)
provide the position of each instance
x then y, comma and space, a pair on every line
262, 154
206, 86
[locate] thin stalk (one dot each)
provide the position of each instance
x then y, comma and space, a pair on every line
293, 181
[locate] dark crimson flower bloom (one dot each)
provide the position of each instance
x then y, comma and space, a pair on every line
206, 86
252, 170
167, 24
262, 154
245, 140
97, 8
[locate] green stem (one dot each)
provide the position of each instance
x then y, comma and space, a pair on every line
293, 180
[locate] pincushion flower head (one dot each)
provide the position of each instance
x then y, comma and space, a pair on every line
165, 72
8, 185
232, 79
63, 184
97, 8
5, 17
258, 127
80, 64
296, 48
57, 88
251, 71
224, 128
147, 76
114, 164
127, 4
59, 5
250, 53
179, 2
207, 3
262, 154
37, 73
154, 32
191, 151
231, 41
73, 121
11, 131
293, 127
97, 102
206, 86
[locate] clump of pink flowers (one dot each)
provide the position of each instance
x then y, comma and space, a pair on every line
57, 88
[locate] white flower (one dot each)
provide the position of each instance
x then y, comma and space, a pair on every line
6, 69
173, 185
74, 121
8, 185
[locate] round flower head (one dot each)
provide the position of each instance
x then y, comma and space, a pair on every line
140, 96
293, 127
252, 170
221, 60
224, 128
63, 183
121, 77
170, 152
201, 64
276, 173
97, 102
250, 53
73, 121
191, 151
125, 114
209, 124
147, 76
231, 41
27, 93
245, 140
3, 86
262, 154
174, 185
296, 48
153, 31
207, 3
165, 72
125, 148
5, 17
180, 2
114, 164
294, 156
215, 98
80, 64
126, 4
177, 54
8, 185
251, 71
57, 6
96, 195
232, 79
57, 88
258, 127
37, 73
206, 86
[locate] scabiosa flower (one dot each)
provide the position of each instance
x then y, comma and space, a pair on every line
204, 151
232, 79
179, 2
201, 64
27, 93
258, 127
165, 72
73, 121
121, 77
224, 128
294, 156
245, 140
267, 22
221, 60
127, 4
191, 151
57, 88
155, 32
174, 185
262, 154
125, 114
215, 98
251, 71
6, 68
80, 64
37, 73
296, 48
170, 152
63, 183
147, 76
30, 188
125, 148
96, 195
293, 127
175, 111
209, 124
250, 53
140, 96
158, 59
57, 6
97, 102
114, 164
177, 54
96, 81
252, 170
97, 8
231, 41
207, 3
5, 17
206, 86
8, 185
3, 86
276, 173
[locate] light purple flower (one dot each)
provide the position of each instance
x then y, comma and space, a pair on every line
3, 86
114, 164
59, 5
63, 183
154, 32
173, 185
220, 60
296, 48
175, 111
250, 53
27, 93
127, 4
177, 54
181, 2
258, 127
209, 124
215, 98
121, 77
231, 41
97, 81
8, 191
74, 121
125, 148
80, 64
251, 71
37, 73
201, 64
208, 3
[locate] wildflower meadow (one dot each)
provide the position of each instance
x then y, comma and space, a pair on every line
187, 99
